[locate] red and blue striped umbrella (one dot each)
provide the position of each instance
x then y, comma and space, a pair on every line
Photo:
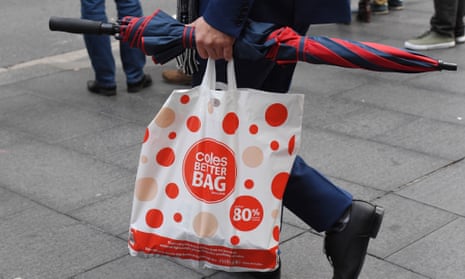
289, 47
163, 37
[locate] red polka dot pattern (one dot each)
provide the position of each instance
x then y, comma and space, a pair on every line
276, 115
230, 123
279, 185
165, 157
154, 218
193, 123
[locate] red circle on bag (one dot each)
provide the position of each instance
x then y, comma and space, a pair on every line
209, 170
246, 213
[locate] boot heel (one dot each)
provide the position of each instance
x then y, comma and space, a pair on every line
377, 220
364, 11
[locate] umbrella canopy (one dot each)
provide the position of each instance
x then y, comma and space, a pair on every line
289, 47
163, 37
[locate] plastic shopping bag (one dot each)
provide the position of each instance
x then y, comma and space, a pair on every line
213, 168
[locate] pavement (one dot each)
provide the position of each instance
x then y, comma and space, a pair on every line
68, 160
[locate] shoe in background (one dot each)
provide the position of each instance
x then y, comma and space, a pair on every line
431, 40
176, 77
395, 5
380, 7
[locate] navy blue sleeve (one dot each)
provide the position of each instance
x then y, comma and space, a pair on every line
228, 16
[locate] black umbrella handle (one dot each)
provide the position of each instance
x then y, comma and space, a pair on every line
82, 26
447, 66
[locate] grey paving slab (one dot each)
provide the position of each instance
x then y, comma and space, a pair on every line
58, 177
289, 232
15, 100
140, 107
67, 121
420, 6
28, 44
439, 255
9, 91
10, 137
12, 203
439, 139
106, 142
320, 80
28, 72
127, 158
111, 215
405, 222
40, 243
375, 268
358, 191
352, 118
134, 267
304, 258
323, 111
419, 102
364, 162
446, 81
443, 189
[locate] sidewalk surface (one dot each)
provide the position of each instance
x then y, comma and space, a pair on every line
68, 160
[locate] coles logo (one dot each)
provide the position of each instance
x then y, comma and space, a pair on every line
209, 170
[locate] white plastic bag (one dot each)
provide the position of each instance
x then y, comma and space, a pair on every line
212, 173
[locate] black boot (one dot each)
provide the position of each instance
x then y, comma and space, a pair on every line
346, 249
94, 87
145, 82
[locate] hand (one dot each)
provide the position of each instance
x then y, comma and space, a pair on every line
212, 43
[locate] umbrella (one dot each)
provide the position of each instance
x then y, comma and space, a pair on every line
164, 38
290, 47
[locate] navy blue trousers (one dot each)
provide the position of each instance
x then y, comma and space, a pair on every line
99, 47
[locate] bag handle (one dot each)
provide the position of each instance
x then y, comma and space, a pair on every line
209, 78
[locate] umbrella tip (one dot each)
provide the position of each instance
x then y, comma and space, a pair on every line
447, 66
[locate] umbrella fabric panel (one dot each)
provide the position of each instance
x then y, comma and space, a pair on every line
158, 35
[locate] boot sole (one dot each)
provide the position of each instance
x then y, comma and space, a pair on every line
429, 47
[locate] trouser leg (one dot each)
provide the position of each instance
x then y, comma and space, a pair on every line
445, 17
459, 26
132, 59
313, 198
99, 47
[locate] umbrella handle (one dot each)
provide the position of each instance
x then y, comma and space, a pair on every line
447, 66
82, 26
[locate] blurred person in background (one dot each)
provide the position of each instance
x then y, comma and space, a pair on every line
100, 53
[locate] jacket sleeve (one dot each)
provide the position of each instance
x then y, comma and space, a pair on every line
228, 16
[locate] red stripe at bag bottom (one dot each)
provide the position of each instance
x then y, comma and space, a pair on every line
150, 243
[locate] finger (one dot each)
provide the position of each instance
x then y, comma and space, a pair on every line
214, 53
202, 52
228, 53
